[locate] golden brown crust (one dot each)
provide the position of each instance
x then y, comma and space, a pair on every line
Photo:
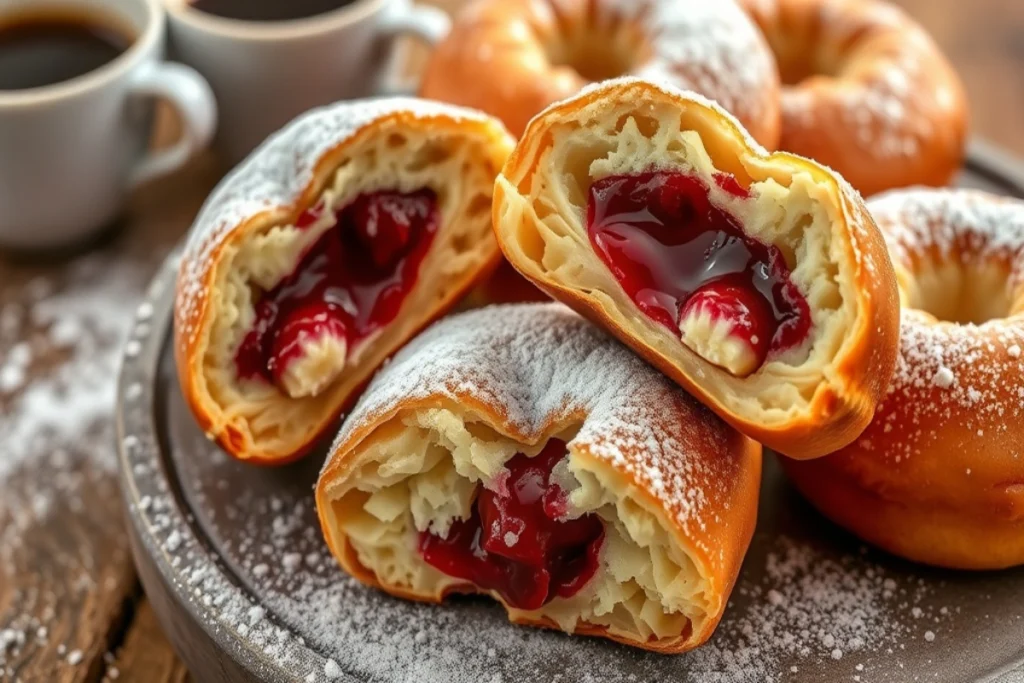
938, 475
733, 546
512, 58
984, 536
845, 399
866, 91
257, 196
707, 475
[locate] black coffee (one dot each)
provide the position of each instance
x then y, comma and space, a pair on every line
43, 49
268, 10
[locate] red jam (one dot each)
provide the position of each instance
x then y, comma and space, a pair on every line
667, 244
349, 284
517, 541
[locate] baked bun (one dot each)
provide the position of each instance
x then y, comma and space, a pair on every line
512, 58
521, 453
938, 476
865, 91
757, 282
321, 255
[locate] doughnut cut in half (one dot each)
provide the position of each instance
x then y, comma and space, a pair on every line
322, 254
757, 282
522, 453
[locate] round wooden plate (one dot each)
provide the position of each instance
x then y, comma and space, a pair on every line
232, 560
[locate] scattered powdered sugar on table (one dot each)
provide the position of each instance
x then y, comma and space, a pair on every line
60, 348
712, 48
811, 607
796, 608
70, 335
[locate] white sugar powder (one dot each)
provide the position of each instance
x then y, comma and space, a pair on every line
943, 378
60, 348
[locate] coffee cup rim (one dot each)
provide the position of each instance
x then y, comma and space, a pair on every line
149, 36
266, 31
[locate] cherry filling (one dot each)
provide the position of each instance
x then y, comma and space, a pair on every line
678, 257
518, 541
349, 284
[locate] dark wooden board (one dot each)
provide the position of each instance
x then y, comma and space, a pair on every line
232, 560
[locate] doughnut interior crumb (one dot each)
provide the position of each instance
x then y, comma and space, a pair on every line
787, 207
422, 472
404, 160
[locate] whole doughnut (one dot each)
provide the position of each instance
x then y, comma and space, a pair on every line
865, 91
938, 477
512, 58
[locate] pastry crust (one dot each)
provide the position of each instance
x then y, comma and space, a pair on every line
675, 487
809, 400
866, 91
245, 240
512, 58
938, 476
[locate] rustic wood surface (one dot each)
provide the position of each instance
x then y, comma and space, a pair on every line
70, 605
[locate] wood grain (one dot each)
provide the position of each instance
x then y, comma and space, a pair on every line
66, 576
146, 655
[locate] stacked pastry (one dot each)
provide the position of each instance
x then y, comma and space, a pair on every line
596, 470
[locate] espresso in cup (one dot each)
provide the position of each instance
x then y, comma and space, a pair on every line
38, 49
79, 81
268, 10
271, 60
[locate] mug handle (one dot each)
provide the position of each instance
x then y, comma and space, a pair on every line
191, 95
429, 24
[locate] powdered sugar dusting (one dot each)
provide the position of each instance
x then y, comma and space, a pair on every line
796, 604
809, 607
957, 394
71, 395
665, 87
543, 364
278, 172
712, 48
967, 375
961, 226
60, 348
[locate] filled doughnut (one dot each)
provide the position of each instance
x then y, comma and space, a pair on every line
512, 58
318, 257
521, 453
938, 476
758, 282
865, 91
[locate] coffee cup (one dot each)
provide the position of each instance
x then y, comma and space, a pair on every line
78, 83
269, 60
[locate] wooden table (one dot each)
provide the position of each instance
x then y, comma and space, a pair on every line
70, 605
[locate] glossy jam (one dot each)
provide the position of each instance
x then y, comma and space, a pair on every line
664, 241
351, 283
517, 541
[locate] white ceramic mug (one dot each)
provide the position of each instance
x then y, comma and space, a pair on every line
264, 74
70, 152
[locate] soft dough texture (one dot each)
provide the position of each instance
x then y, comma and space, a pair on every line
675, 488
245, 240
938, 476
512, 58
806, 402
865, 91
